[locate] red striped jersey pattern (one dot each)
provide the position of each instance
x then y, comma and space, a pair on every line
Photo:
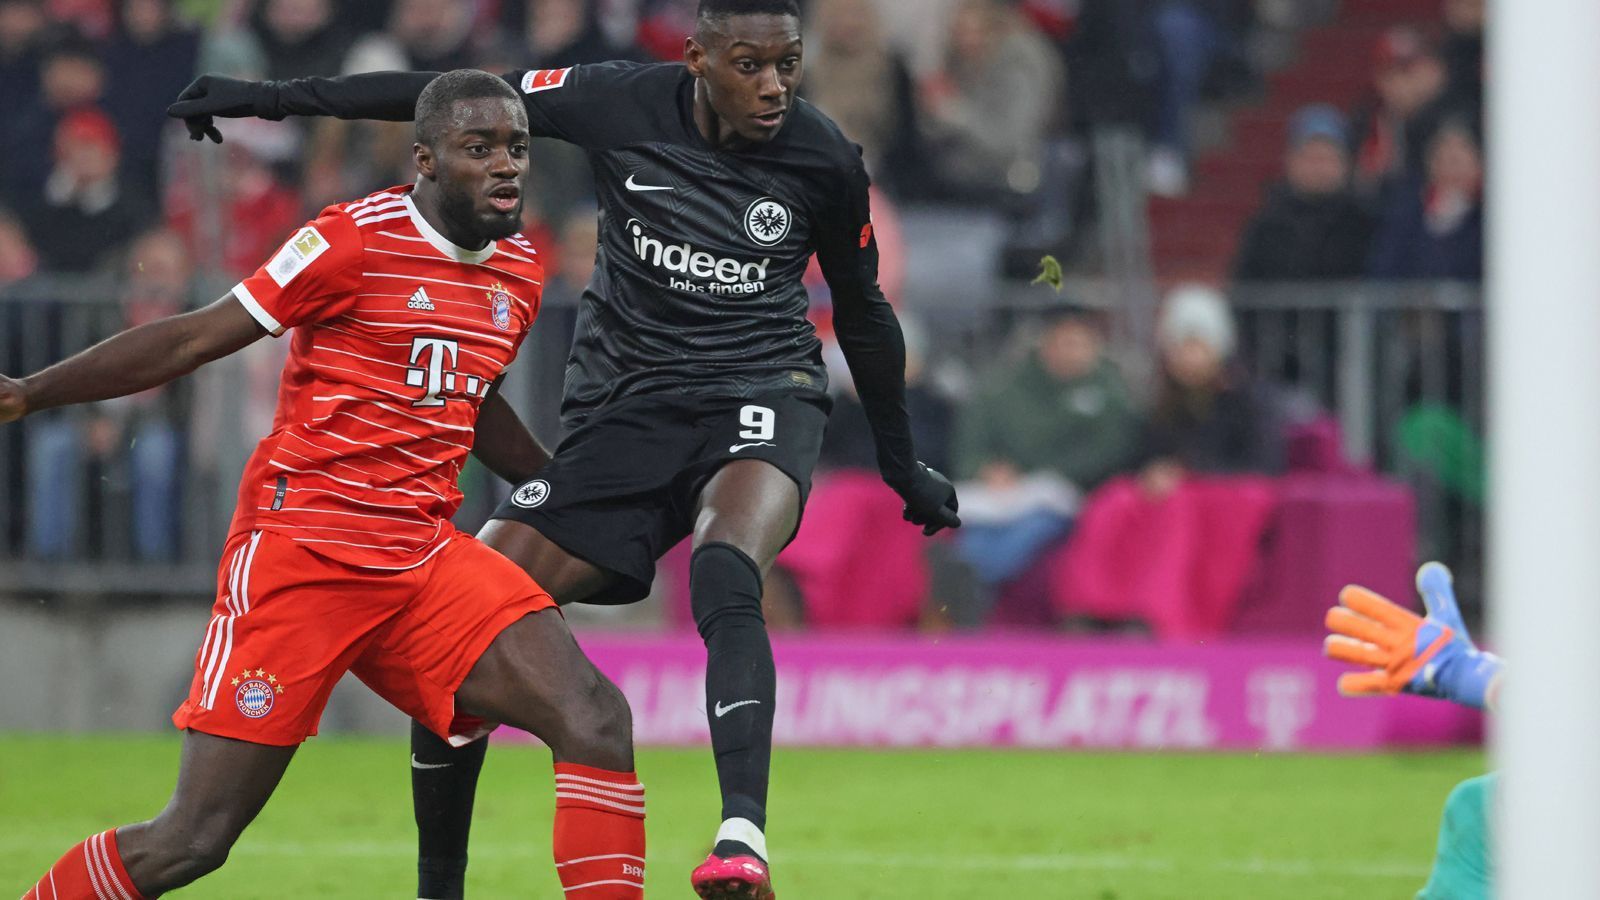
397, 335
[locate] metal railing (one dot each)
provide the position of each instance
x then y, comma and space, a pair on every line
1401, 367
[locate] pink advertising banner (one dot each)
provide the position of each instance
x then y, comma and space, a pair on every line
1032, 692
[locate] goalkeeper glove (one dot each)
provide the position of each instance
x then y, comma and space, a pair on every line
1431, 657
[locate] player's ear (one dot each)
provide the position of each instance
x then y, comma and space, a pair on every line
694, 56
422, 156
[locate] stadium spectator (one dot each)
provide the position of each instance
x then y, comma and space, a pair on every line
426, 35
1312, 226
150, 58
71, 77
1463, 50
569, 33
865, 85
92, 19
256, 209
18, 259
1188, 36
988, 113
1435, 229
133, 444
1175, 547
1208, 418
1033, 439
1063, 408
298, 38
1393, 125
22, 34
83, 212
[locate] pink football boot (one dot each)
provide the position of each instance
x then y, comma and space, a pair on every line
734, 878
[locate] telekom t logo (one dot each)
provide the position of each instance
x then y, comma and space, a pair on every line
429, 361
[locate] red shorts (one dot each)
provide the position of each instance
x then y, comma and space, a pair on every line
288, 624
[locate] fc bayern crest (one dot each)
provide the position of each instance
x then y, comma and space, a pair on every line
531, 494
500, 306
767, 221
254, 697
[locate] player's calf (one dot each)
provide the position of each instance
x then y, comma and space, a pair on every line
535, 678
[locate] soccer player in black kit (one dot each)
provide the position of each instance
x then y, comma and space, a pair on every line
695, 393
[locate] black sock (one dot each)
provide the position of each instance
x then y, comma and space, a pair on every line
741, 685
444, 780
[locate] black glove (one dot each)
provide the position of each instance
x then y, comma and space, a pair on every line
930, 500
219, 95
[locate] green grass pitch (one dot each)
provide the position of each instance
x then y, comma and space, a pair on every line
916, 824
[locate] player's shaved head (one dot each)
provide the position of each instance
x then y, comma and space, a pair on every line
438, 111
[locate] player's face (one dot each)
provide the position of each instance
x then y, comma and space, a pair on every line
750, 66
479, 163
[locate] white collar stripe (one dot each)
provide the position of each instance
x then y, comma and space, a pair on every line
442, 243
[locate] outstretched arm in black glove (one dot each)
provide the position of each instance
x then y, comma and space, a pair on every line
389, 96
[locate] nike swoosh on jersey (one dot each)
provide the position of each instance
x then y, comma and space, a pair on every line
737, 447
633, 185
415, 764
724, 710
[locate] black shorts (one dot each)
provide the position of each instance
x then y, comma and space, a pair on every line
621, 490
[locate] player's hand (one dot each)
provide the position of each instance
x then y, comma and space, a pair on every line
13, 400
930, 500
215, 95
1404, 652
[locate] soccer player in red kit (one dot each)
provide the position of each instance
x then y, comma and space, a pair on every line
404, 309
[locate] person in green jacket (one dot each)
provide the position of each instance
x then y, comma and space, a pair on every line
1034, 437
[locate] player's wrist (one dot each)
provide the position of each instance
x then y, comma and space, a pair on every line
264, 99
1464, 675
904, 477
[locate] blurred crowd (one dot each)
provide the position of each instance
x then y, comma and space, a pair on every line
1097, 492
968, 102
1392, 189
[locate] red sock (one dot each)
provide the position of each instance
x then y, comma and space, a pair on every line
599, 840
90, 871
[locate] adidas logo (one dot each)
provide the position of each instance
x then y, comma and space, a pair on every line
420, 300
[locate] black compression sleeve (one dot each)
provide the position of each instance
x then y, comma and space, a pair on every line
868, 332
390, 96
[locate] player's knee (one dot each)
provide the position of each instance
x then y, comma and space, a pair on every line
207, 853
724, 588
180, 852
599, 726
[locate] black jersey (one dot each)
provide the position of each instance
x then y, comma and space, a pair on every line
698, 279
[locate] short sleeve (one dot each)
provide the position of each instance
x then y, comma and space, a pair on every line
314, 276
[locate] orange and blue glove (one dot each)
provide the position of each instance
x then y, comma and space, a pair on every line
1405, 652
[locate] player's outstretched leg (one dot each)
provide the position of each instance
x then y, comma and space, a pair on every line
222, 785
747, 512
444, 779
535, 677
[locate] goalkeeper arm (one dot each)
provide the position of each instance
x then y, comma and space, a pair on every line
1407, 653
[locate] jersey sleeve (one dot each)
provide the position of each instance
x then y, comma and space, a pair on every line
575, 104
868, 332
314, 276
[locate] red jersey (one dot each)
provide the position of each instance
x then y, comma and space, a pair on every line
398, 335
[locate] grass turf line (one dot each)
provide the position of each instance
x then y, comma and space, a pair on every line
847, 824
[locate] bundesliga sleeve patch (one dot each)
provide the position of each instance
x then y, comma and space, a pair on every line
544, 80
301, 251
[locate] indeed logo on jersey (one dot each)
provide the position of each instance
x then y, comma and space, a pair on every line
731, 276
